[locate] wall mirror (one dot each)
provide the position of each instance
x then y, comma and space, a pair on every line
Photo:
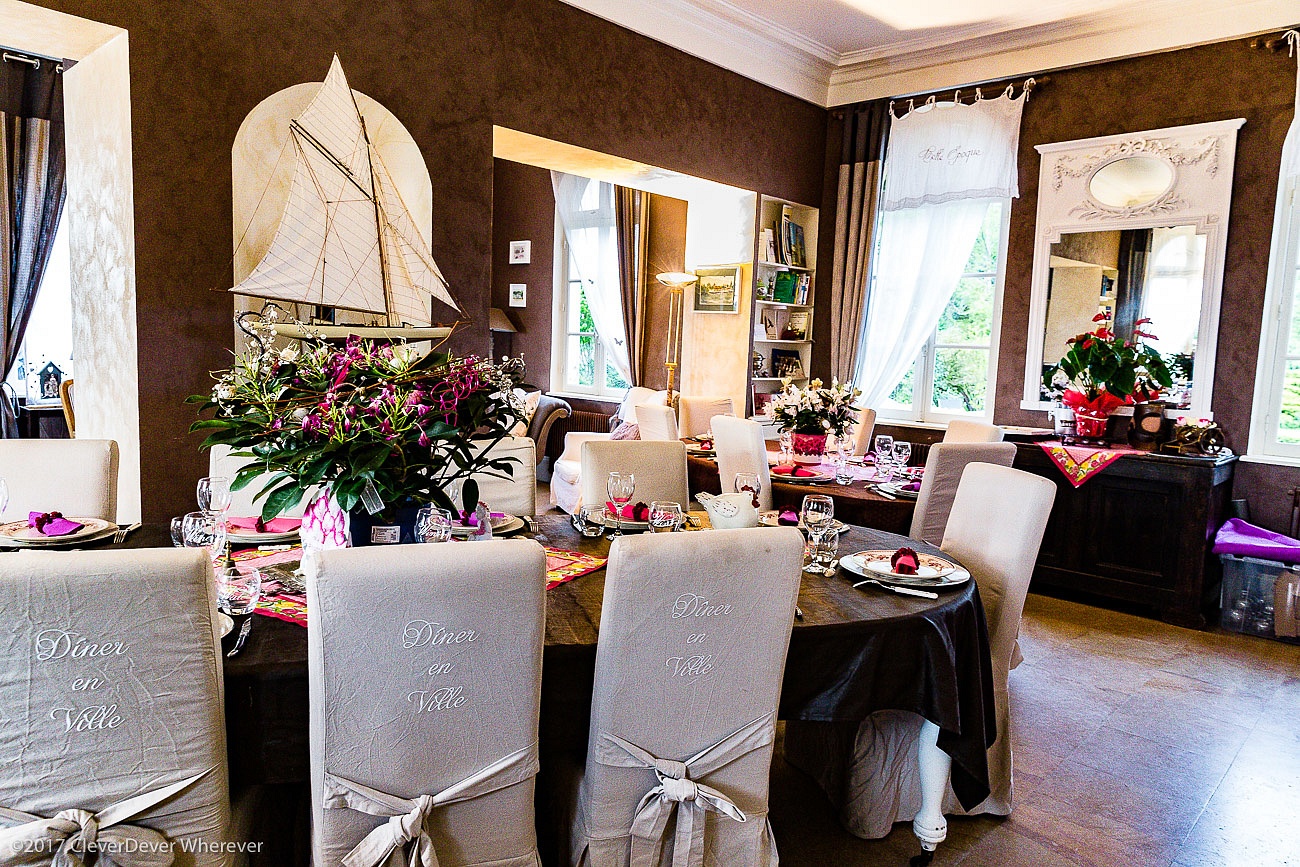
1135, 226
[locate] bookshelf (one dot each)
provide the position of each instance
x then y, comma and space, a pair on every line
781, 320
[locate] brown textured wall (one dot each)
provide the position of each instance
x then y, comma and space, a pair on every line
665, 251
523, 209
448, 70
1194, 85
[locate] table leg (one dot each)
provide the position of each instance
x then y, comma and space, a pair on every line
929, 826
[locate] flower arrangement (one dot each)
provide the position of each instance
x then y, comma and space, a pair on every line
1102, 371
378, 423
815, 409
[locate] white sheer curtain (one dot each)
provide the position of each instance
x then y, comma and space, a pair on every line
586, 210
946, 162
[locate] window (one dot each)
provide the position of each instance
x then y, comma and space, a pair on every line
583, 367
1276, 428
48, 338
954, 374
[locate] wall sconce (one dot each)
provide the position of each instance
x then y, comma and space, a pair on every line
676, 281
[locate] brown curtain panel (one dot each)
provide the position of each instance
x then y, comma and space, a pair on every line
862, 153
631, 219
33, 173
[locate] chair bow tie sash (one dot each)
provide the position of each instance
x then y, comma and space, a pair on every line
73, 838
677, 792
403, 840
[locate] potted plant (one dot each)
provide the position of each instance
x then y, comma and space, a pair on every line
375, 426
1102, 371
812, 413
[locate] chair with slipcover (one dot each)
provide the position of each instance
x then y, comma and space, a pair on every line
695, 414
111, 690
693, 637
966, 431
944, 465
656, 422
566, 483
75, 477
873, 775
424, 677
741, 448
862, 431
659, 467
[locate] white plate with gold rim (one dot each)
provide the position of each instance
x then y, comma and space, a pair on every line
17, 534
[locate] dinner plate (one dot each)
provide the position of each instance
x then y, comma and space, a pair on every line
770, 519
226, 621
16, 534
897, 489
626, 523
808, 480
938, 573
252, 537
699, 452
504, 524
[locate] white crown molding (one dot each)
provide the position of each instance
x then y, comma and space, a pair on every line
725, 35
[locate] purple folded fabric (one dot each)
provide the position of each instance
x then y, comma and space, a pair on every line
473, 519
52, 523
1246, 540
914, 487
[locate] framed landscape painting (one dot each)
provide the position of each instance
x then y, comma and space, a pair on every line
717, 290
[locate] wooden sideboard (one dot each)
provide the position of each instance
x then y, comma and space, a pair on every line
1140, 531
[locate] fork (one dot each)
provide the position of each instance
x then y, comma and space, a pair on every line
905, 591
120, 536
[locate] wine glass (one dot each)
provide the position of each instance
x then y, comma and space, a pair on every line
238, 590
665, 517
902, 453
620, 486
843, 475
205, 530
432, 524
749, 482
787, 447
817, 514
214, 494
884, 455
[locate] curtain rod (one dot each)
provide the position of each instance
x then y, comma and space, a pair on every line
973, 91
32, 60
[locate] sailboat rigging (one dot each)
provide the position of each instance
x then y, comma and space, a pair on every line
346, 239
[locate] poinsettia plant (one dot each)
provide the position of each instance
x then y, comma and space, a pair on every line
1102, 371
815, 409
372, 420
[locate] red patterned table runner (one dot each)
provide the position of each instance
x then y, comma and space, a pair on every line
1080, 463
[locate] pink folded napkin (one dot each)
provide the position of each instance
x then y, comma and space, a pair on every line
905, 561
631, 511
257, 525
911, 486
52, 523
472, 520
793, 471
788, 518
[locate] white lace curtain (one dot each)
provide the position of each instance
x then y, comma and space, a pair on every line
586, 210
946, 162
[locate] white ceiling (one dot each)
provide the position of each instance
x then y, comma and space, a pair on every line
832, 52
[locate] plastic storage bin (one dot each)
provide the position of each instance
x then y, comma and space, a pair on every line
1256, 593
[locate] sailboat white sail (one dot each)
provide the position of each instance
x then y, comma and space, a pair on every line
346, 239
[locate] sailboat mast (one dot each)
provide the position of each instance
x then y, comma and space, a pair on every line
380, 220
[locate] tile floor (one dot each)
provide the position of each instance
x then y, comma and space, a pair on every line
1136, 743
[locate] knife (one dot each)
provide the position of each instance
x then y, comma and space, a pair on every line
246, 628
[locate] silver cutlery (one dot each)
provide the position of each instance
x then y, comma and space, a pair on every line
905, 591
244, 629
120, 536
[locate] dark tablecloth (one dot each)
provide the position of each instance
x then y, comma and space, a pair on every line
853, 653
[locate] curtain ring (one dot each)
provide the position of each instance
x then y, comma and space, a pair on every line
931, 100
911, 106
1011, 89
956, 97
979, 94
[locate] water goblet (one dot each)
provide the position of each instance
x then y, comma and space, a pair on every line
902, 454
823, 554
238, 590
665, 517
620, 487
432, 524
787, 447
749, 482
817, 514
843, 475
591, 521
178, 532
884, 455
205, 530
214, 494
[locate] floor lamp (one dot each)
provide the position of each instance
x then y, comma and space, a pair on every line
676, 281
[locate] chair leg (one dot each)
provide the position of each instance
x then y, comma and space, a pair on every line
929, 826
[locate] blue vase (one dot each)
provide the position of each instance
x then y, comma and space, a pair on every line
391, 526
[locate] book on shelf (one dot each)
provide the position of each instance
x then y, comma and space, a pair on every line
768, 245
792, 240
801, 289
784, 290
762, 402
796, 326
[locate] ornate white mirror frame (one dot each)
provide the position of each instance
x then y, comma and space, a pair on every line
1201, 157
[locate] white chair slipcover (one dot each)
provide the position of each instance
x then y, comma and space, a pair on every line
695, 414
566, 475
514, 495
862, 432
75, 477
693, 638
112, 727
656, 422
242, 503
659, 467
424, 668
943, 470
741, 449
995, 529
964, 431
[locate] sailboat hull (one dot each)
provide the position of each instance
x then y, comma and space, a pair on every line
409, 333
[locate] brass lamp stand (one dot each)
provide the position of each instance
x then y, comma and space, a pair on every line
676, 281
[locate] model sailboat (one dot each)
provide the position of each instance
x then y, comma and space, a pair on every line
346, 239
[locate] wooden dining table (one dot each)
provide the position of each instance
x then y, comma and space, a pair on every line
852, 652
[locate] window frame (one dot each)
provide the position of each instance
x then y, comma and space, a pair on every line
1279, 298
560, 334
920, 412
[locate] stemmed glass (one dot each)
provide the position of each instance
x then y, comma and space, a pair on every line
884, 455
432, 524
749, 482
665, 517
902, 453
205, 530
787, 447
214, 494
238, 590
818, 513
620, 487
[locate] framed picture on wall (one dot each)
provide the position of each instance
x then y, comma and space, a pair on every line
717, 290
